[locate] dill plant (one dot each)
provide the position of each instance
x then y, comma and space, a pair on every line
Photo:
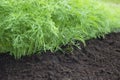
40, 25
114, 10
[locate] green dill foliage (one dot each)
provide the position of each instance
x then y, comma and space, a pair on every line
113, 7
28, 26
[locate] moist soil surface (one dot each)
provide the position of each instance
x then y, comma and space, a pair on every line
99, 60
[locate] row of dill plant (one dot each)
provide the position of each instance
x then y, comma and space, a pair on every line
28, 26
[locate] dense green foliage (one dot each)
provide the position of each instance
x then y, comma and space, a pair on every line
113, 7
28, 26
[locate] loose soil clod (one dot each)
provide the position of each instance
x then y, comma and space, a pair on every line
99, 60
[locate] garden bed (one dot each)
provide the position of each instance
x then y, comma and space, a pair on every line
99, 60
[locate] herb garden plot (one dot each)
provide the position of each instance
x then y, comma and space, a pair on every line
59, 40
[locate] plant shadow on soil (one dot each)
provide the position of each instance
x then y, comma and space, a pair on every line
99, 60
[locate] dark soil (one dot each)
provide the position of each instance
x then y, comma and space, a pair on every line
99, 60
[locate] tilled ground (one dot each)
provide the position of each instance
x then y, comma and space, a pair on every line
99, 60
